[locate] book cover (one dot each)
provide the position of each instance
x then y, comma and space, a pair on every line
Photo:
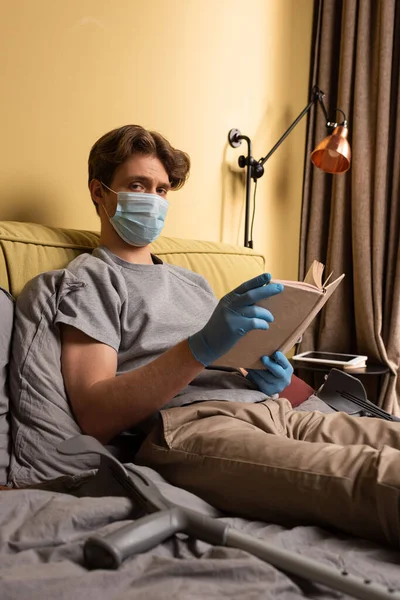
293, 309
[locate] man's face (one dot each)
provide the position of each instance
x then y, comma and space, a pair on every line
138, 174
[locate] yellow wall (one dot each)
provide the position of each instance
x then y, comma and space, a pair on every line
191, 69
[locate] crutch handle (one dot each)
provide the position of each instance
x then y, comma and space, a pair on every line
110, 551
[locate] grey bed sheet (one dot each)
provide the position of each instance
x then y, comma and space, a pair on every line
42, 533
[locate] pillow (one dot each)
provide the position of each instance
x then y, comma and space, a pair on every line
41, 416
297, 392
6, 326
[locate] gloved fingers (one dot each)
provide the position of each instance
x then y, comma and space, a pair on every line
254, 323
282, 370
257, 312
254, 376
279, 358
273, 367
256, 282
252, 296
267, 382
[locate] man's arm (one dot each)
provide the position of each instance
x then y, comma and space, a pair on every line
103, 404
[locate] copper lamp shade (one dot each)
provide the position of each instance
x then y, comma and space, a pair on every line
333, 154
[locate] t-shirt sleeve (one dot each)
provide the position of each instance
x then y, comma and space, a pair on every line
95, 307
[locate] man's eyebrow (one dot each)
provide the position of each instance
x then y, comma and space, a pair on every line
147, 180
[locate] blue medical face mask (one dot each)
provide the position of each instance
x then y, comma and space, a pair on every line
139, 218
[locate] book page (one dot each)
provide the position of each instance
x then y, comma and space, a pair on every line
296, 334
314, 274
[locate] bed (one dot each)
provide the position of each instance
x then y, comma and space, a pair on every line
43, 528
42, 534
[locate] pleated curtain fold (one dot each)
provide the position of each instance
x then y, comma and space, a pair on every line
351, 222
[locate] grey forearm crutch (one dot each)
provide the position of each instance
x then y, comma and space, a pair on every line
166, 519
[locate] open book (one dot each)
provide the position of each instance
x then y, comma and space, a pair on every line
293, 310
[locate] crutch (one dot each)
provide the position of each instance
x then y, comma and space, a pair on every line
166, 519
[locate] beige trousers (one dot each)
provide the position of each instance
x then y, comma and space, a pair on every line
268, 462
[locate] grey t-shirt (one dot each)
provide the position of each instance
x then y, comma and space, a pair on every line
139, 310
143, 310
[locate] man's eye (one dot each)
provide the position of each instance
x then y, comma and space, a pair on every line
162, 191
136, 186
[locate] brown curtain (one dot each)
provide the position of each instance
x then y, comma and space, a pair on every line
351, 222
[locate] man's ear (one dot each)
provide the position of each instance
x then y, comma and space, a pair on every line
96, 191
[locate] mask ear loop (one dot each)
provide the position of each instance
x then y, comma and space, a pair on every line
105, 210
106, 186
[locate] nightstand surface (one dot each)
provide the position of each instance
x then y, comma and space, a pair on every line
369, 369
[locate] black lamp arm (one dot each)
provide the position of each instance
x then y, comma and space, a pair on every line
317, 96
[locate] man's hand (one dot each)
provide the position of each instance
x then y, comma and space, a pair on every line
276, 376
235, 315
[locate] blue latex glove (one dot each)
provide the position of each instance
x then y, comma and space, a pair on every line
234, 315
276, 376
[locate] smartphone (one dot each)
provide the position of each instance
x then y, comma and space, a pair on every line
332, 358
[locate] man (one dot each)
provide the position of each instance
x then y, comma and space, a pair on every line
146, 310
137, 344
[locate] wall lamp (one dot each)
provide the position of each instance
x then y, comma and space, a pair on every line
332, 155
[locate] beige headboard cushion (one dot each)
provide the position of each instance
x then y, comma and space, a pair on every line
27, 249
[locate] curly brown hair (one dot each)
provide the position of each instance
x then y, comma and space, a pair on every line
113, 148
